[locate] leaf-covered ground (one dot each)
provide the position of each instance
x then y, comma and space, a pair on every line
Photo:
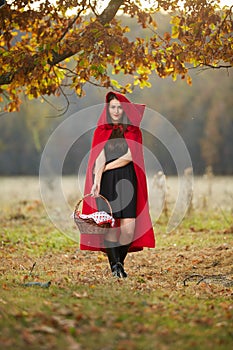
177, 296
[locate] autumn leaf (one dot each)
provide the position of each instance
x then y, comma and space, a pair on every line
37, 45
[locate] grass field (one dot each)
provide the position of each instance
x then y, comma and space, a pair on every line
177, 296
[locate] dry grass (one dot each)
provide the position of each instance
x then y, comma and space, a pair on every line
163, 304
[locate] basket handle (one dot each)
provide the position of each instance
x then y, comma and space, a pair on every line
88, 195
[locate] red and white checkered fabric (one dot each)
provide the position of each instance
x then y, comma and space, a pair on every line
100, 217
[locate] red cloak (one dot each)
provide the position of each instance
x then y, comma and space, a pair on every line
144, 234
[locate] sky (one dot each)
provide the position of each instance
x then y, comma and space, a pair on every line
222, 2
104, 3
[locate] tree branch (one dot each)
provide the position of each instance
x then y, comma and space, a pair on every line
71, 24
105, 17
110, 11
220, 66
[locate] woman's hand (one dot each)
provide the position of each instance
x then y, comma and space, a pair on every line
95, 190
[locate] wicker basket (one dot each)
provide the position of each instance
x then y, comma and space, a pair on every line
89, 225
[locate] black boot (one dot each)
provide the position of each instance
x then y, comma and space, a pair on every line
112, 252
123, 251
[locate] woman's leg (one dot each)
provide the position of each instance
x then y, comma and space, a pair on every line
111, 236
127, 231
117, 250
112, 251
126, 237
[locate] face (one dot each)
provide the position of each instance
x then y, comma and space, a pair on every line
115, 111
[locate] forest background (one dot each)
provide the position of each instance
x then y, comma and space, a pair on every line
201, 113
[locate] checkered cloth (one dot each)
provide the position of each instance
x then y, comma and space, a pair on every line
100, 217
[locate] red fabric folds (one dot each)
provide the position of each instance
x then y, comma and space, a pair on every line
144, 234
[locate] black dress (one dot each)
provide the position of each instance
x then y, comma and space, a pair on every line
118, 185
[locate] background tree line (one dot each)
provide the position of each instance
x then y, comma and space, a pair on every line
202, 114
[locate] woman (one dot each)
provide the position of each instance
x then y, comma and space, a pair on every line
116, 170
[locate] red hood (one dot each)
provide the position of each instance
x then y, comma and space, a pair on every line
134, 111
